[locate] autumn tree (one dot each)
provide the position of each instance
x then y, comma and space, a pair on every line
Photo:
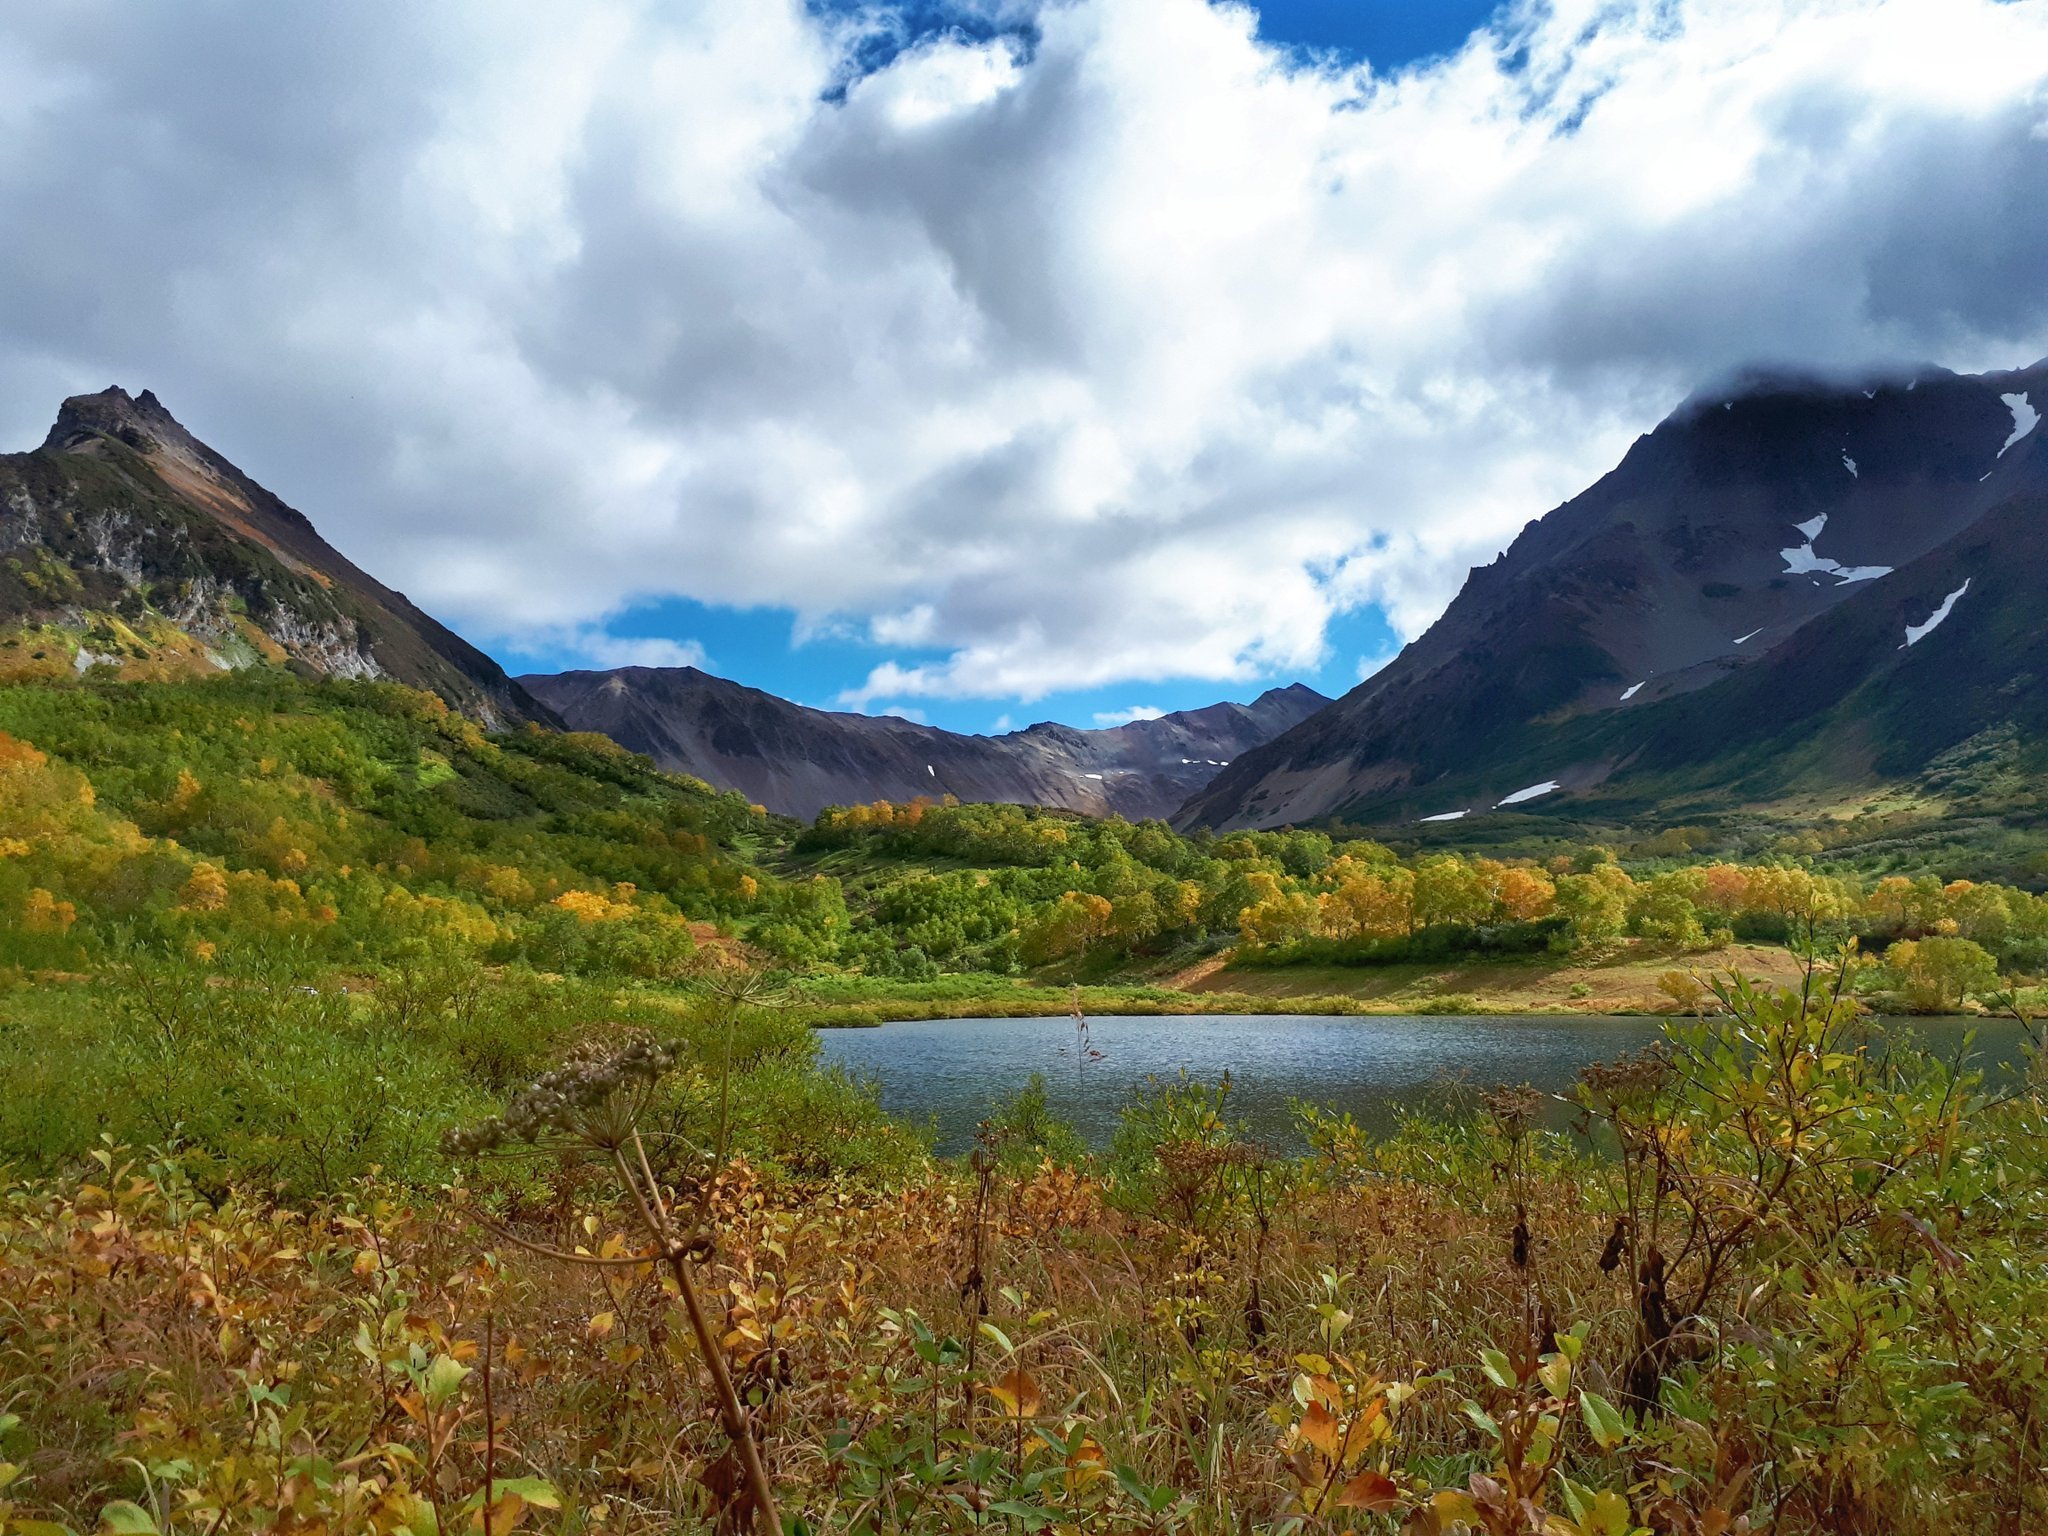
1941, 972
1449, 890
1367, 903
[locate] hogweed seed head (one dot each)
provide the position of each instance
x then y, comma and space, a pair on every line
592, 1099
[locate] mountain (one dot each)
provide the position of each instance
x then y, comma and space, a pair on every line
798, 760
1726, 613
129, 543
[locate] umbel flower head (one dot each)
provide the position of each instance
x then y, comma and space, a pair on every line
593, 1099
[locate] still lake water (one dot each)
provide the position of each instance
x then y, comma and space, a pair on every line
951, 1072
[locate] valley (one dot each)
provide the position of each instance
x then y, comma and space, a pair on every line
316, 923
1024, 768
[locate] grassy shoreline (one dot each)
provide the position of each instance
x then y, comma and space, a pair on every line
1621, 982
1146, 1002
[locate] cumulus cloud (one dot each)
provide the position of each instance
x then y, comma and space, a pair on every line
593, 646
1368, 665
1127, 716
1139, 352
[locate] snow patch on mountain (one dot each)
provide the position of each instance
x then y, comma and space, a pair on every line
2024, 419
1531, 793
1850, 465
1630, 691
1915, 633
1447, 816
1804, 561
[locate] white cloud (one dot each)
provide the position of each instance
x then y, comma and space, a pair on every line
1126, 716
1137, 358
1368, 665
598, 649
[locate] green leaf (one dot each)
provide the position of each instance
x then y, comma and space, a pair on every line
1576, 1499
1498, 1368
1608, 1515
1031, 1516
444, 1379
1603, 1419
1556, 1375
537, 1491
1151, 1498
122, 1518
997, 1337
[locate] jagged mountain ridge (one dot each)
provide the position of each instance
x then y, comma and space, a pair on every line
1652, 619
797, 760
127, 542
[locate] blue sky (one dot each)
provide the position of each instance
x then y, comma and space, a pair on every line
761, 646
1388, 33
758, 647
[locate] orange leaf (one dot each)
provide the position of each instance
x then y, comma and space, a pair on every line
1364, 1429
1319, 1428
1018, 1394
1374, 1492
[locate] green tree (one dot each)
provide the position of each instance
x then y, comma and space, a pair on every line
1596, 903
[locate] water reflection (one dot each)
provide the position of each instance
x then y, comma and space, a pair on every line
951, 1072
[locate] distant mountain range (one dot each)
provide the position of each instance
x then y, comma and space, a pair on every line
1789, 587
798, 760
131, 545
128, 545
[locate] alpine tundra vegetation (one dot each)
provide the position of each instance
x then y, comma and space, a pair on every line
1061, 908
420, 1128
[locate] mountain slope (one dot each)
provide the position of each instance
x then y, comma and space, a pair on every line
798, 760
1663, 615
129, 543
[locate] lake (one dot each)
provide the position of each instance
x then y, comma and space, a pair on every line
951, 1072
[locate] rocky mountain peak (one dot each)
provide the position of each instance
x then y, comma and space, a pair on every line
137, 420
1766, 503
178, 563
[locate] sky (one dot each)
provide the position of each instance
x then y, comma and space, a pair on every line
988, 361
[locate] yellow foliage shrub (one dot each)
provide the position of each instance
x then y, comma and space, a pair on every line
205, 889
42, 912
